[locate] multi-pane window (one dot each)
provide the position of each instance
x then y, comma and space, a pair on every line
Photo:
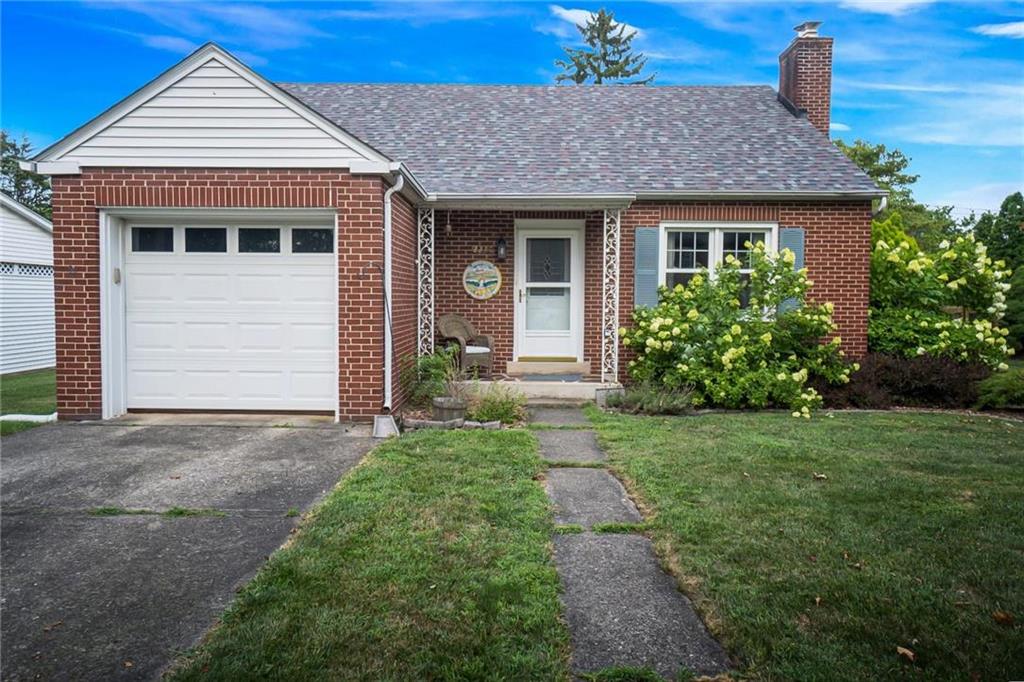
736, 244
689, 250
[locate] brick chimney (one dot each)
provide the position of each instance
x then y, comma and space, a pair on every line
805, 75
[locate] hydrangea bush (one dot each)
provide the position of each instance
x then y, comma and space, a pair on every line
948, 304
762, 355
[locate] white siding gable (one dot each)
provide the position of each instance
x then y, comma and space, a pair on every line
23, 241
211, 111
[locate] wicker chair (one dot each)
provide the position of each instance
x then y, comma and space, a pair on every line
476, 351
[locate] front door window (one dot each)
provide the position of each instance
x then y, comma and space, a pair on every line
548, 284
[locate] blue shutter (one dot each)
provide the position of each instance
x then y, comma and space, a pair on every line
792, 238
645, 267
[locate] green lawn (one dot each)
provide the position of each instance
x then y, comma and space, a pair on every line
29, 393
431, 560
915, 539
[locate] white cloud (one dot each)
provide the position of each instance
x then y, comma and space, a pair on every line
169, 43
893, 8
841, 127
983, 197
1013, 29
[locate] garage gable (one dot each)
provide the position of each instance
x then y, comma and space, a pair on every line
211, 110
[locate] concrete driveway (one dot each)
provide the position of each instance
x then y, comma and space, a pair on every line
89, 597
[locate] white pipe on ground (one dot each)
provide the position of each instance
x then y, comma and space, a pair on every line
388, 341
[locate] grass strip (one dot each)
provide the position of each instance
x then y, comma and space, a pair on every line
430, 560
173, 512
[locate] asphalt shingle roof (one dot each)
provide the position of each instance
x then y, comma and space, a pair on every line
588, 139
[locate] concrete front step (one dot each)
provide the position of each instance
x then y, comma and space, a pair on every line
549, 367
589, 496
623, 610
583, 391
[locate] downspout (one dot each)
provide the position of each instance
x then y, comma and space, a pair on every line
388, 340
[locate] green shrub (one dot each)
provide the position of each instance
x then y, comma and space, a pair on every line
949, 303
700, 336
911, 332
1014, 319
885, 381
651, 398
497, 402
427, 376
1002, 390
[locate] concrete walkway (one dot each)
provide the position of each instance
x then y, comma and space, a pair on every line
622, 609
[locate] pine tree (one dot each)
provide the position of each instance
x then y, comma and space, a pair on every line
31, 189
610, 56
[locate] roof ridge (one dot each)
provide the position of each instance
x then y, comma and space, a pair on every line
581, 86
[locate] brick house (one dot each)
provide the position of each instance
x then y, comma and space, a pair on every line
226, 243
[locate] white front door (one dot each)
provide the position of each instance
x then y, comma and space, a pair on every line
549, 290
230, 317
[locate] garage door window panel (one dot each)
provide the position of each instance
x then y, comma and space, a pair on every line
153, 239
206, 240
307, 240
259, 240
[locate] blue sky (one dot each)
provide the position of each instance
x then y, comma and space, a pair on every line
942, 81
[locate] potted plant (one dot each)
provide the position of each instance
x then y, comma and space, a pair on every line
452, 405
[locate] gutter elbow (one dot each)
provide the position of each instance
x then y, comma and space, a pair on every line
883, 204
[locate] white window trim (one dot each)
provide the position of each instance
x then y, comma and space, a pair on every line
715, 243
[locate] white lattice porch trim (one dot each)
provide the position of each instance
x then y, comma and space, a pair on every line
425, 282
610, 297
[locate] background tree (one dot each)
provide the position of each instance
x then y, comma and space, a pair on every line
1003, 233
31, 189
888, 168
609, 55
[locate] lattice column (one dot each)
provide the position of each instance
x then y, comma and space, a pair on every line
425, 282
610, 297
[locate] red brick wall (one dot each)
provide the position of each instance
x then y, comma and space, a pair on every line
473, 237
837, 248
805, 78
77, 198
404, 292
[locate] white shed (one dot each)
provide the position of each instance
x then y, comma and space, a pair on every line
26, 289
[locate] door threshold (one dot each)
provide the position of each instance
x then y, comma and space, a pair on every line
527, 367
222, 418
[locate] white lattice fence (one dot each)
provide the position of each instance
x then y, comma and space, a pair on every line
610, 297
425, 282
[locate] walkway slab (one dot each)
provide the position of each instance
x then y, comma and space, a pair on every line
623, 610
558, 416
589, 496
562, 445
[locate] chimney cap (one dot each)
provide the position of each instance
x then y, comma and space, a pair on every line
808, 29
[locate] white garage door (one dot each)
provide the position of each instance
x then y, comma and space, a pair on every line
237, 317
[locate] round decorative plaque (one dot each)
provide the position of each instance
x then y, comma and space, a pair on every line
481, 279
